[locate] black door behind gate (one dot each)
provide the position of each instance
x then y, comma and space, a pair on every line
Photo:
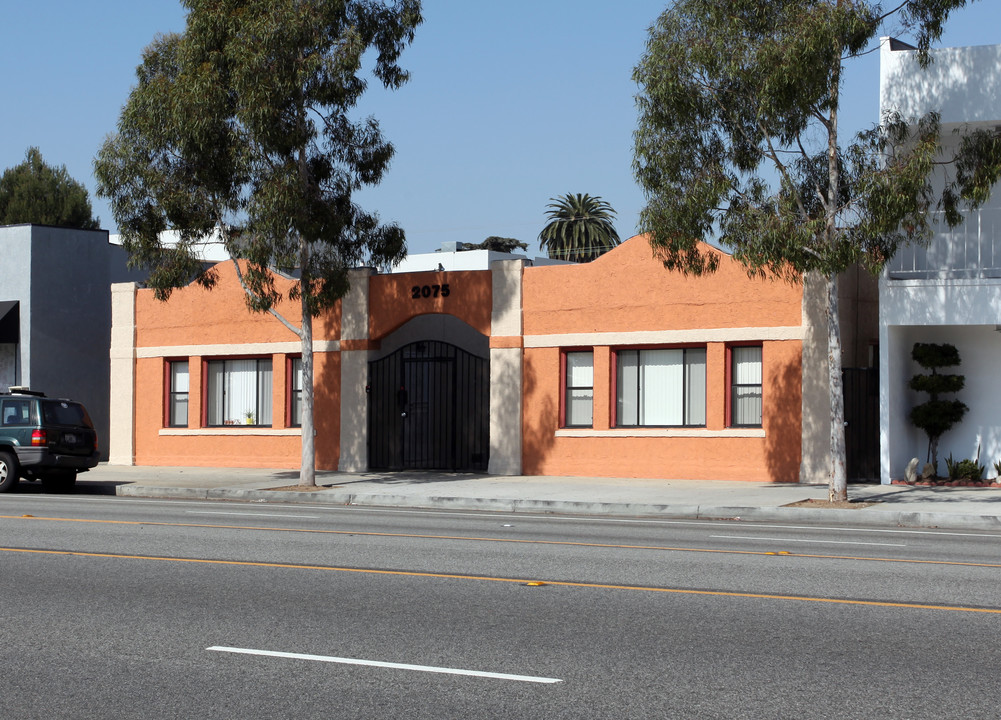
861, 391
429, 409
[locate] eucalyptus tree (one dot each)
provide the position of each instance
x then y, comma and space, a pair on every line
738, 140
35, 192
242, 126
579, 229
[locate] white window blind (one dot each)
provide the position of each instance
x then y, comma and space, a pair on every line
661, 387
179, 388
296, 418
746, 386
239, 392
580, 389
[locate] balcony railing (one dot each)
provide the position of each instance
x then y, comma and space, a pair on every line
969, 250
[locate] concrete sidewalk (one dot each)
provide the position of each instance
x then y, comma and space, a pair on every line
894, 505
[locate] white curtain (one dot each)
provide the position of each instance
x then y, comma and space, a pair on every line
662, 382
664, 387
239, 392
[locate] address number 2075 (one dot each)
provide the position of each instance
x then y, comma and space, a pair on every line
426, 291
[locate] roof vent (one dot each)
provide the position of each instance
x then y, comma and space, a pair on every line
898, 45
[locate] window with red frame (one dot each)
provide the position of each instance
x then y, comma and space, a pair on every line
177, 404
745, 386
578, 403
295, 393
660, 387
238, 392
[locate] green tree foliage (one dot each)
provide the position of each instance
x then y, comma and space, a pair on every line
936, 416
738, 140
242, 126
35, 192
497, 244
579, 229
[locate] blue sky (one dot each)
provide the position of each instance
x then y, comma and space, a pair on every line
511, 103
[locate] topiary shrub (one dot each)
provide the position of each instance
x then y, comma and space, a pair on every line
936, 415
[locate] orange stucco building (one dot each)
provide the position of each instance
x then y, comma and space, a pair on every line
613, 368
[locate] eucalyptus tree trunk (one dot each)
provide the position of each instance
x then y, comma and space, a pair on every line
838, 485
307, 468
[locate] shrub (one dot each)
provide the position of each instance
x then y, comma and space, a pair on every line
936, 415
965, 469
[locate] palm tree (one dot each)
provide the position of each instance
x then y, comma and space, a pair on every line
579, 228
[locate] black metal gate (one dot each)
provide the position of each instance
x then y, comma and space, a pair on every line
429, 409
861, 392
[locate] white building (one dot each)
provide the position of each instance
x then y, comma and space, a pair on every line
210, 250
950, 291
453, 257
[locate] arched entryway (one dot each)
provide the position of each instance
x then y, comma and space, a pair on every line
429, 409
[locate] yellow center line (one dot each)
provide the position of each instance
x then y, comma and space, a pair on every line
520, 581
473, 538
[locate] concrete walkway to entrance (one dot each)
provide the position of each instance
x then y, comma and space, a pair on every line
892, 505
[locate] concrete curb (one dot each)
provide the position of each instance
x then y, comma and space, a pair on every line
807, 516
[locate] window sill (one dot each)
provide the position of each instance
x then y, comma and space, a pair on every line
231, 430
663, 432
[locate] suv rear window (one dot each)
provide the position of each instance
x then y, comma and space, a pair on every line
17, 411
56, 412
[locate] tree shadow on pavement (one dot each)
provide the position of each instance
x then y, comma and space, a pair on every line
986, 496
402, 477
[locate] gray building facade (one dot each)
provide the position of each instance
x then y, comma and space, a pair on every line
55, 313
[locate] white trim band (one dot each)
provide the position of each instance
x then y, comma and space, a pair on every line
232, 430
666, 337
664, 433
278, 348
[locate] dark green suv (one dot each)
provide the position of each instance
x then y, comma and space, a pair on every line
44, 438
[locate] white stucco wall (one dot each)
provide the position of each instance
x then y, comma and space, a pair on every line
122, 357
506, 370
963, 83
940, 301
964, 313
979, 348
463, 260
354, 375
949, 291
210, 250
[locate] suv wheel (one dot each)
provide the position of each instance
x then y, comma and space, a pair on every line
8, 471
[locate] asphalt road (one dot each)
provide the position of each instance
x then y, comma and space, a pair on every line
113, 607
